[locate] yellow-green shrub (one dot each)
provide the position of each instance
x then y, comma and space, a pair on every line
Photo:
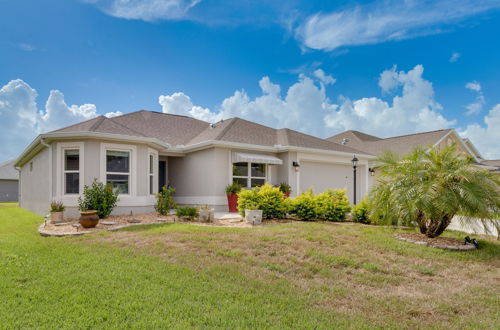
332, 205
361, 212
304, 206
267, 198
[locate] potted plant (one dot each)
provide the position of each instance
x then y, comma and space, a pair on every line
98, 201
285, 189
232, 191
253, 215
206, 214
56, 212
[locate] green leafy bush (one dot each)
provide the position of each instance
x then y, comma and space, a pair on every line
98, 197
267, 198
304, 206
332, 205
165, 201
187, 212
361, 212
233, 188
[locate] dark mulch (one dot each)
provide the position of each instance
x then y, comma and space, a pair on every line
438, 242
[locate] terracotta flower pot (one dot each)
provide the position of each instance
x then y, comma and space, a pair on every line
89, 219
286, 194
232, 202
57, 217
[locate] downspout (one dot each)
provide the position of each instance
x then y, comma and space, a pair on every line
45, 144
18, 169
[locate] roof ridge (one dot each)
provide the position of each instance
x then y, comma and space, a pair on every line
76, 124
97, 123
124, 126
225, 129
284, 135
419, 133
166, 114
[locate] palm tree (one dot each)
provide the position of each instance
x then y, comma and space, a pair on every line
428, 188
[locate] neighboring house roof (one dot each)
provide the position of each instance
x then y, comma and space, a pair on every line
492, 162
183, 131
7, 170
400, 144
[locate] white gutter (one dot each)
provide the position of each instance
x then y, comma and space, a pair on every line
18, 169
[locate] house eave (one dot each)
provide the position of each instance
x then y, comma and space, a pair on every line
274, 149
37, 145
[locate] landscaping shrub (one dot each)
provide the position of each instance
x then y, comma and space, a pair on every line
99, 197
272, 202
248, 200
267, 198
304, 206
360, 212
187, 212
165, 201
332, 205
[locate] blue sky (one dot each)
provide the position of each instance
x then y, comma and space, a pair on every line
382, 67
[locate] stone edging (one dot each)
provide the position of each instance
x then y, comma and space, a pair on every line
465, 247
47, 233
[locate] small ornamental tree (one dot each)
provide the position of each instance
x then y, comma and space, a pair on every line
428, 188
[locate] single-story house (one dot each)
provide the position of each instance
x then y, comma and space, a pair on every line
142, 151
9, 182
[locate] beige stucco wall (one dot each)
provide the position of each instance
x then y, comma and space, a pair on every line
139, 199
35, 184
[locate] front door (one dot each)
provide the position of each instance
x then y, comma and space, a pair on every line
162, 174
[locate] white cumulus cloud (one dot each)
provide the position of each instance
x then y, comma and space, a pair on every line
147, 10
486, 137
476, 106
385, 20
21, 120
113, 114
306, 107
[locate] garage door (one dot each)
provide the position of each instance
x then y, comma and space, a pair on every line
322, 176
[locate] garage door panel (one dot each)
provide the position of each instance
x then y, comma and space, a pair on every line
323, 176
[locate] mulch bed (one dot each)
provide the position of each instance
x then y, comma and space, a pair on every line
445, 243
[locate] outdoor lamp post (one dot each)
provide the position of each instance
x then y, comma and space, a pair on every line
354, 162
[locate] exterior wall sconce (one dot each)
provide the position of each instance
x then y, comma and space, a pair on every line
296, 166
372, 171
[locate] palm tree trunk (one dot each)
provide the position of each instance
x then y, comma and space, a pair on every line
421, 222
437, 227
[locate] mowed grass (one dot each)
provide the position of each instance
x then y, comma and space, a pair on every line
301, 275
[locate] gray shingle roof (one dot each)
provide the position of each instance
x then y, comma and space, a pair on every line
7, 171
181, 130
399, 144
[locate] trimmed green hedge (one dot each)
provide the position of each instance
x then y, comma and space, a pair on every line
331, 205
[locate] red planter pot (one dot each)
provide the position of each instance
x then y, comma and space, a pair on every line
286, 194
232, 202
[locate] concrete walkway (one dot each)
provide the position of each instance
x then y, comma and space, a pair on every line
227, 216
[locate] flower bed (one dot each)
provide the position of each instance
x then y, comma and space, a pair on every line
445, 243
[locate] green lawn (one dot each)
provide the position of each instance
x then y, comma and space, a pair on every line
303, 275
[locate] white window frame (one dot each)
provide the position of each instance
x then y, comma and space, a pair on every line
65, 171
132, 150
249, 176
60, 181
154, 154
